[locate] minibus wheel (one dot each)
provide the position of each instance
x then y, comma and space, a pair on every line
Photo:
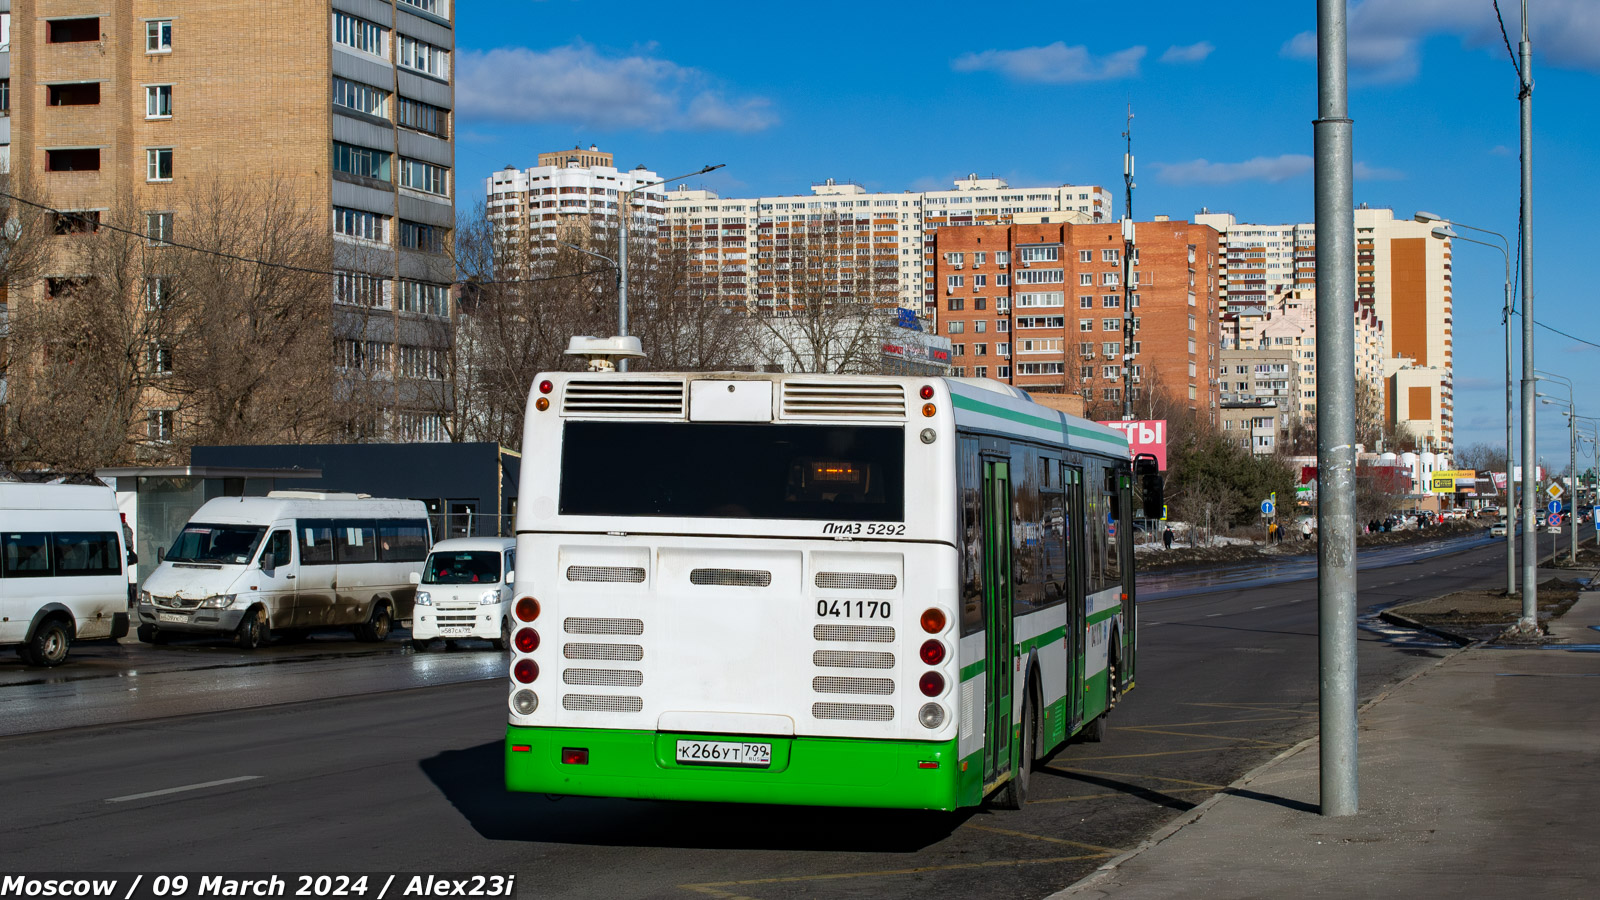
378, 627
49, 645
503, 642
252, 633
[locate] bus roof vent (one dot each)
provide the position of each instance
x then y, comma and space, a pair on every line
834, 398
624, 397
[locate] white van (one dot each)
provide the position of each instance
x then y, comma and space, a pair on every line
63, 569
291, 561
465, 592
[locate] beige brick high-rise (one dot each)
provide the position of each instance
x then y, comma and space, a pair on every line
136, 101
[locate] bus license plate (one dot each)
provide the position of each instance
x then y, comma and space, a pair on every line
724, 753
171, 617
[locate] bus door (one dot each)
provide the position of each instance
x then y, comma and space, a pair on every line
1077, 575
997, 610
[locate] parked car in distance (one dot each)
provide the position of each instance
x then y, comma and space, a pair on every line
1498, 529
63, 569
464, 591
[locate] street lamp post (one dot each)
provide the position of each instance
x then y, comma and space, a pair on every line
1572, 453
625, 212
1444, 231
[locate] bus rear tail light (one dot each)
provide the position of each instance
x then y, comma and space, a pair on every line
527, 640
525, 671
932, 652
933, 620
928, 409
524, 701
928, 764
527, 609
575, 756
546, 386
927, 392
931, 683
931, 715
542, 404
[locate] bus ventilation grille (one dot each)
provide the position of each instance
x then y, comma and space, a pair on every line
856, 581
851, 659
859, 712
624, 652
833, 684
731, 577
599, 703
580, 625
875, 634
632, 398
814, 398
609, 677
628, 574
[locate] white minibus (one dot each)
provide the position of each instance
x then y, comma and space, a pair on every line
465, 592
63, 569
291, 561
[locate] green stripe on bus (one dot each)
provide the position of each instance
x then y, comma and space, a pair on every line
1104, 614
973, 671
1036, 421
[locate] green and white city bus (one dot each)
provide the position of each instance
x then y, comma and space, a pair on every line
826, 590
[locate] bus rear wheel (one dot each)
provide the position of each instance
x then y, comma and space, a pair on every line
252, 633
1014, 794
376, 629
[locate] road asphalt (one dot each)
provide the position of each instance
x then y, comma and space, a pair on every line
1477, 779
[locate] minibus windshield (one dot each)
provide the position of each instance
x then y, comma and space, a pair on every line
200, 543
463, 567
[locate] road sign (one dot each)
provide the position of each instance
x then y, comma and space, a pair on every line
1554, 490
1554, 520
1553, 507
1266, 507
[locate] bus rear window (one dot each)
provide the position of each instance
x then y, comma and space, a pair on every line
825, 472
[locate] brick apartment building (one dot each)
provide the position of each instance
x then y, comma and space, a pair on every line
1039, 306
347, 101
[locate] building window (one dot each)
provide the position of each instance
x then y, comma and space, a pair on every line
158, 36
86, 160
359, 34
157, 228
158, 425
158, 164
157, 293
426, 299
158, 358
420, 427
1085, 256
364, 356
72, 31
362, 161
979, 303
361, 289
85, 221
360, 224
1110, 324
981, 371
426, 363
360, 97
427, 6
5, 96
424, 117
158, 101
417, 236
955, 304
979, 326
1111, 301
82, 93
955, 327
423, 57
980, 349
425, 177
1039, 254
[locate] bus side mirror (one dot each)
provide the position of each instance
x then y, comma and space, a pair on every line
161, 554
1151, 486
415, 578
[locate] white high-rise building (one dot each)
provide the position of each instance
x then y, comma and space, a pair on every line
735, 241
573, 189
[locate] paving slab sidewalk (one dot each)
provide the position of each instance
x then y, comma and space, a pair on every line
1479, 777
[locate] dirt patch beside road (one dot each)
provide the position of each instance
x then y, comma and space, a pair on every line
1484, 615
1182, 557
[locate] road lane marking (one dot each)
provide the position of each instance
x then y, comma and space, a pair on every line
1214, 737
1032, 801
179, 790
1039, 837
1146, 755
1289, 718
1075, 770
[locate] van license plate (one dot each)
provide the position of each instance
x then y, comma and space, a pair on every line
724, 753
171, 617
455, 632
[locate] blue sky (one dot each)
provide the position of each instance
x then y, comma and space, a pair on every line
901, 96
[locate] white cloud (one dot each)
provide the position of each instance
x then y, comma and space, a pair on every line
1385, 36
1262, 168
1193, 53
1053, 64
1501, 150
1364, 172
577, 85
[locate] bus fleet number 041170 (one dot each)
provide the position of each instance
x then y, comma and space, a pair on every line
853, 609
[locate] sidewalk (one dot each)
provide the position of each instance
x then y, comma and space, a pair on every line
1479, 777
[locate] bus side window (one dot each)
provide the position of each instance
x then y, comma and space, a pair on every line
403, 540
355, 541
25, 555
1112, 524
280, 548
316, 541
970, 485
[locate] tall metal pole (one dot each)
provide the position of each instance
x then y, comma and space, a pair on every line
1529, 624
1511, 489
1127, 273
622, 272
1572, 483
1336, 418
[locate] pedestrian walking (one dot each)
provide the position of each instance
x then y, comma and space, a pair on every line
1166, 537
1305, 530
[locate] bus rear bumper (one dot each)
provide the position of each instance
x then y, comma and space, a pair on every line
809, 771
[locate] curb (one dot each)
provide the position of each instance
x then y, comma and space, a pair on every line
1395, 618
1106, 869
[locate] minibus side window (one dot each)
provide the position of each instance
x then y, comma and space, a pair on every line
25, 554
403, 540
80, 553
279, 550
316, 541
